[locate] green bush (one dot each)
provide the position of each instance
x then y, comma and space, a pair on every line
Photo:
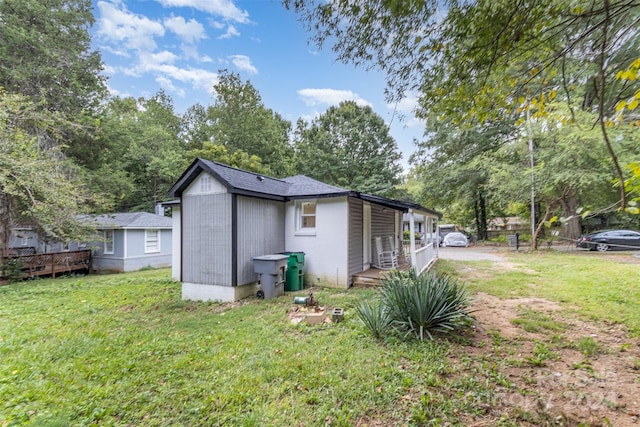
417, 306
11, 269
375, 318
406, 235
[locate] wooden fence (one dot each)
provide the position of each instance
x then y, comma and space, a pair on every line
28, 266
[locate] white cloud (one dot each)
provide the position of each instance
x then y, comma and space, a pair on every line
223, 8
406, 105
198, 78
121, 26
108, 69
231, 32
164, 57
190, 31
167, 84
243, 63
115, 92
313, 97
406, 110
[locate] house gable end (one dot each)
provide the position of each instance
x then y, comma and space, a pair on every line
204, 183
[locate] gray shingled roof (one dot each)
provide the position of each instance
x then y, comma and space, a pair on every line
130, 220
254, 184
245, 180
304, 186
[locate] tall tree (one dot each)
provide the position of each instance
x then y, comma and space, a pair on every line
487, 58
140, 153
45, 54
38, 187
240, 121
195, 128
349, 146
238, 159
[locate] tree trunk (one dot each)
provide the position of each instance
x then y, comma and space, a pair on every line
483, 217
534, 238
480, 211
476, 211
569, 206
5, 224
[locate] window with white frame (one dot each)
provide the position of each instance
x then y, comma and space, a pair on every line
151, 241
306, 216
108, 241
206, 183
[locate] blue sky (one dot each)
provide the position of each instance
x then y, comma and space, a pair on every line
179, 45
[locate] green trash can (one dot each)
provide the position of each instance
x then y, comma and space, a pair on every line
294, 278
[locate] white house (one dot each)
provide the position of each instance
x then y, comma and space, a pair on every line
224, 217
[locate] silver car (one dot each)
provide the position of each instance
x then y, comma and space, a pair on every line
455, 239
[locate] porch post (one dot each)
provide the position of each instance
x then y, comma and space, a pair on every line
412, 237
435, 233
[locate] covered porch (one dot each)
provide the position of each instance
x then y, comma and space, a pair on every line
418, 252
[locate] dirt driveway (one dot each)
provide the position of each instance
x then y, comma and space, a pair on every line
475, 253
560, 369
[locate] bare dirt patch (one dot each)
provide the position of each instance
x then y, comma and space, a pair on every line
579, 373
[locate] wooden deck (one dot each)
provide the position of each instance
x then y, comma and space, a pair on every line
373, 276
50, 264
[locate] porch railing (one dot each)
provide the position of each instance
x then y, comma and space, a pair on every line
25, 266
424, 258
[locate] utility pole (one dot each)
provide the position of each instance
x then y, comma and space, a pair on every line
531, 164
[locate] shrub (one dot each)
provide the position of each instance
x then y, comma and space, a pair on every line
406, 235
375, 318
420, 306
11, 269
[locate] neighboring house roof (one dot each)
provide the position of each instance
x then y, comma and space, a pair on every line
130, 220
243, 182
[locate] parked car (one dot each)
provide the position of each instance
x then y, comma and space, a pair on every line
605, 240
444, 229
455, 239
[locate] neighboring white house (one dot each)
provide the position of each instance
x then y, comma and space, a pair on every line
225, 217
131, 241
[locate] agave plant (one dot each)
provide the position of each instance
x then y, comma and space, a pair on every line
375, 318
425, 304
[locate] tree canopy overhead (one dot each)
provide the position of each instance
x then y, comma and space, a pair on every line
239, 120
492, 60
349, 146
45, 54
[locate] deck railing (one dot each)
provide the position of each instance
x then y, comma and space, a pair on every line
424, 258
26, 266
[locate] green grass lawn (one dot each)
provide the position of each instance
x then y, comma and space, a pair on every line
599, 287
125, 350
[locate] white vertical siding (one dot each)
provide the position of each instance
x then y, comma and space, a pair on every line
176, 241
206, 237
260, 232
355, 236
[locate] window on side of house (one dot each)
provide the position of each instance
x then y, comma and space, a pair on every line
108, 241
306, 216
151, 241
